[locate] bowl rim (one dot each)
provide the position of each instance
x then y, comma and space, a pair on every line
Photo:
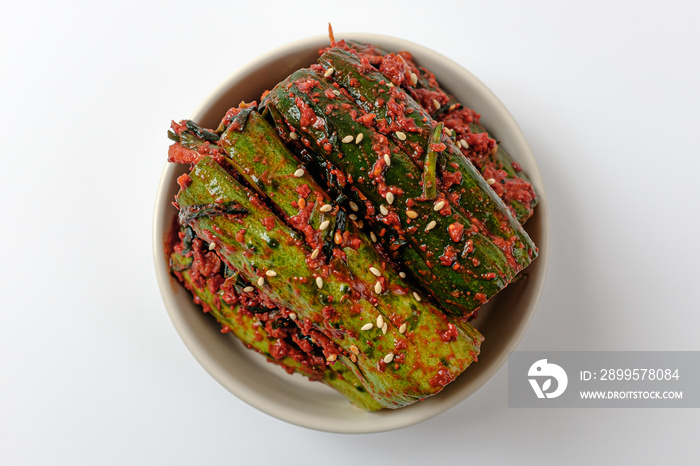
384, 420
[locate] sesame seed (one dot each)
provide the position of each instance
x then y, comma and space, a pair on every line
324, 224
400, 135
387, 160
353, 206
402, 329
448, 131
261, 281
328, 72
352, 217
388, 358
390, 197
453, 106
375, 271
292, 316
389, 84
248, 289
338, 237
336, 92
358, 138
353, 358
412, 214
438, 206
301, 202
430, 225
354, 349
315, 252
464, 143
385, 327
383, 210
326, 208
211, 246
415, 295
380, 321
293, 136
349, 138
414, 78
271, 273
402, 274
319, 282
491, 181
436, 103
367, 326
360, 224
332, 357
373, 236
299, 173
378, 288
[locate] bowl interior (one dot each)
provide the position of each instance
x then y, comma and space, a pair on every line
292, 398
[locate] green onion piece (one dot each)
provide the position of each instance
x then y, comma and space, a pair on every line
430, 166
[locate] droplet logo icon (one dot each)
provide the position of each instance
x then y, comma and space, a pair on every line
543, 371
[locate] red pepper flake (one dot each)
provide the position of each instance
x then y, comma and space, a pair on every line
481, 297
303, 191
179, 154
451, 178
367, 119
468, 248
394, 67
225, 329
489, 276
308, 116
439, 147
450, 334
352, 242
240, 235
449, 256
456, 230
442, 378
279, 349
184, 180
329, 313
268, 223
307, 85
446, 211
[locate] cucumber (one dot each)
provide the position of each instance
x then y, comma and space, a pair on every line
467, 264
510, 181
396, 367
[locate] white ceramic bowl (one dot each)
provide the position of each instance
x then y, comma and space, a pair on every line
268, 388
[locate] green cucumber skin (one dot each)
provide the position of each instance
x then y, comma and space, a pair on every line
463, 291
412, 264
281, 250
257, 153
256, 150
244, 326
503, 160
369, 88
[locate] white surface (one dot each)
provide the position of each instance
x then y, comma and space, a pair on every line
92, 371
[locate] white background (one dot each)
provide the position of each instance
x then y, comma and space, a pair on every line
91, 369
